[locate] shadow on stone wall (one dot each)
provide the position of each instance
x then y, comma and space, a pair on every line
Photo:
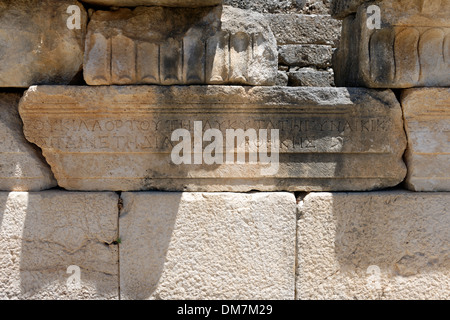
147, 224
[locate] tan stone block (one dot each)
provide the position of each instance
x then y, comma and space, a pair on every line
22, 167
156, 137
167, 46
36, 44
411, 48
166, 3
42, 234
379, 245
427, 123
207, 246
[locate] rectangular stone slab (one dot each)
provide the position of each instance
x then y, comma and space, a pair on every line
22, 167
374, 246
166, 3
178, 246
36, 44
120, 138
427, 123
411, 48
55, 245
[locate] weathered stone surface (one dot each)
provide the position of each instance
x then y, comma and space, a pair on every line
207, 246
379, 245
22, 167
165, 3
156, 45
427, 123
36, 46
42, 234
412, 48
283, 6
309, 77
342, 8
282, 79
123, 138
305, 29
305, 55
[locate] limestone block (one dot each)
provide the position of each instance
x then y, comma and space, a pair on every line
207, 246
49, 240
165, 3
380, 245
427, 123
22, 167
217, 138
305, 55
283, 6
167, 46
305, 29
411, 48
310, 77
36, 44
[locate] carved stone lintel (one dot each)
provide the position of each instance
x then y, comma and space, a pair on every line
121, 138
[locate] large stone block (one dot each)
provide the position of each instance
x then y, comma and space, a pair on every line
217, 138
166, 3
427, 123
22, 167
305, 29
36, 44
379, 245
411, 48
49, 240
207, 246
167, 46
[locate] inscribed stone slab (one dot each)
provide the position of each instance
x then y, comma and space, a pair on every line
129, 138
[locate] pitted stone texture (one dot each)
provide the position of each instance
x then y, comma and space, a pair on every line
283, 6
342, 8
412, 48
128, 138
167, 46
43, 233
305, 29
164, 3
310, 77
207, 246
305, 55
36, 46
427, 123
379, 245
22, 167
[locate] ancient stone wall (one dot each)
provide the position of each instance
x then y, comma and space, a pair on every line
236, 149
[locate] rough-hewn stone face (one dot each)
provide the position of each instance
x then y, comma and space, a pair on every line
167, 3
411, 49
43, 234
22, 167
427, 123
123, 138
36, 46
381, 245
305, 29
207, 246
342, 8
157, 45
305, 55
